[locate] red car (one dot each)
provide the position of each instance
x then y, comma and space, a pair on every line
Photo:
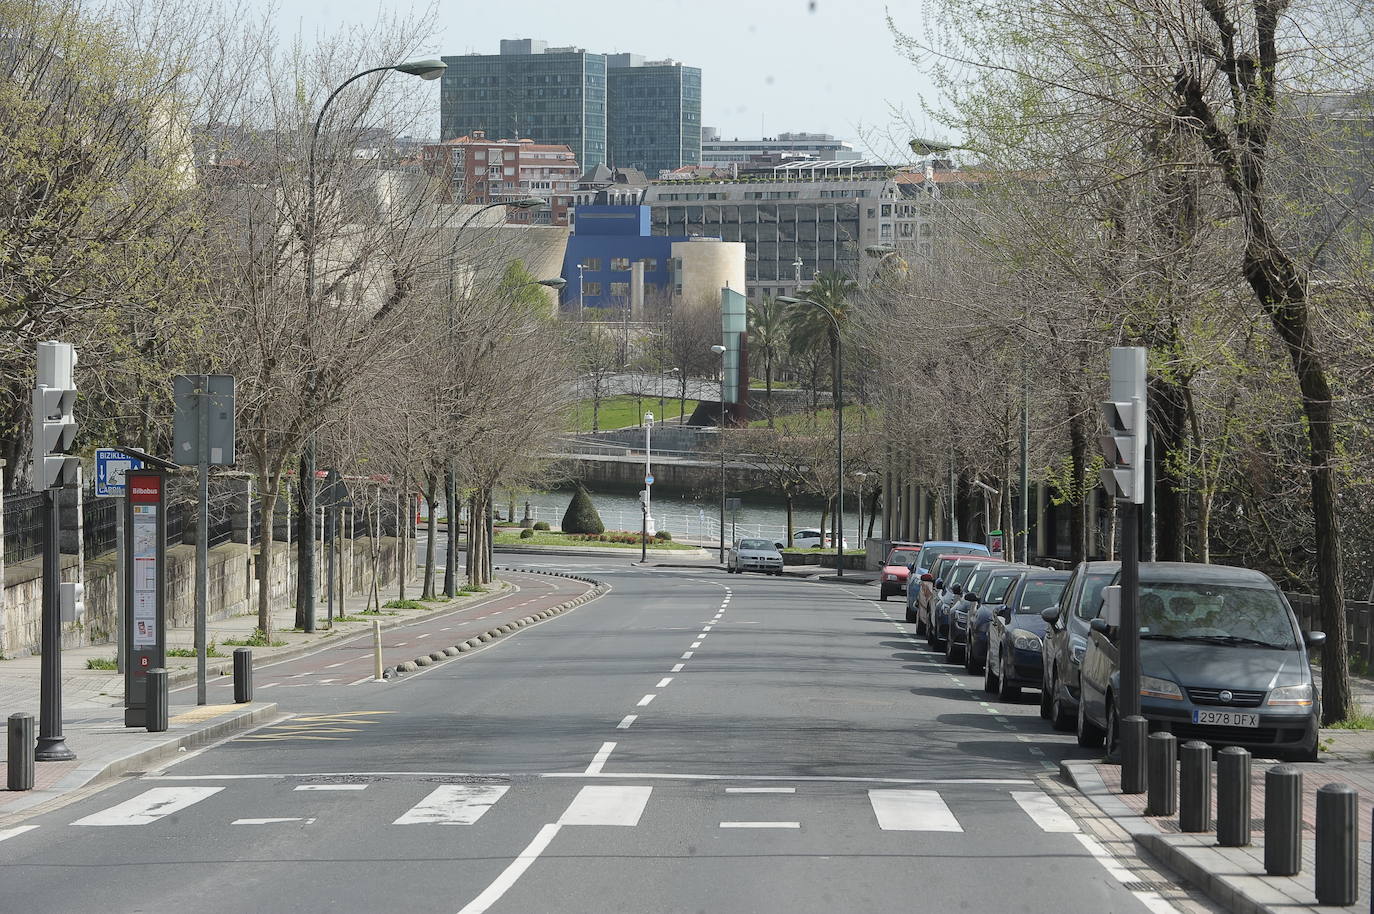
896, 568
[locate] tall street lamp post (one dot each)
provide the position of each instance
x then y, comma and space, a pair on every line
428, 69
720, 351
839, 427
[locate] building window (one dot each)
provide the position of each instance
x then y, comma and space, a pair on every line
479, 155
650, 264
620, 264
591, 288
620, 290
510, 155
925, 229
887, 209
591, 263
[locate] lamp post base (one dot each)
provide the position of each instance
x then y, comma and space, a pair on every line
53, 749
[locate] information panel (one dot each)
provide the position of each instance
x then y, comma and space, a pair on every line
145, 638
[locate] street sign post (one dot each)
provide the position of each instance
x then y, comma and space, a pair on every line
334, 496
145, 571
111, 465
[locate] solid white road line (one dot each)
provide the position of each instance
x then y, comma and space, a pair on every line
270, 821
912, 810
599, 760
626, 721
1045, 812
677, 668
760, 790
646, 699
269, 685
492, 893
454, 804
606, 806
149, 806
331, 787
760, 825
663, 683
332, 665
16, 830
361, 681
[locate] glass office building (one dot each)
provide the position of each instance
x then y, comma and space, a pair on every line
554, 96
654, 114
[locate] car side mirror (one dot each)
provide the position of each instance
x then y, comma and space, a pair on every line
972, 598
939, 583
1004, 613
1101, 626
1314, 639
957, 590
1050, 615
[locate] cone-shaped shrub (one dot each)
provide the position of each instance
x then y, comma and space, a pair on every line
581, 516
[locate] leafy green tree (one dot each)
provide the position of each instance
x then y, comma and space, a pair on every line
582, 516
808, 327
768, 332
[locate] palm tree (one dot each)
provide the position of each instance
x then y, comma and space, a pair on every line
808, 326
768, 326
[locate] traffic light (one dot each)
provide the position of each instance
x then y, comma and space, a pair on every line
1123, 447
54, 424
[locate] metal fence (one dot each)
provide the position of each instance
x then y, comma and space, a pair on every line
24, 526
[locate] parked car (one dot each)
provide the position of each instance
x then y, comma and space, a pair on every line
1015, 638
937, 627
811, 539
1067, 639
1222, 659
754, 555
896, 569
960, 610
933, 549
986, 599
919, 602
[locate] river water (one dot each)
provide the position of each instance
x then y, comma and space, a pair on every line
694, 518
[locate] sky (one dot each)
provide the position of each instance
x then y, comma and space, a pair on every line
768, 66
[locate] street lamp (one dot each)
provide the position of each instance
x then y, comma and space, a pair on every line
720, 351
839, 426
427, 69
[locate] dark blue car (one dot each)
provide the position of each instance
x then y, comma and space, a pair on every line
1014, 657
980, 606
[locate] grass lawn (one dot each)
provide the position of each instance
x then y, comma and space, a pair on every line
620, 411
855, 415
553, 538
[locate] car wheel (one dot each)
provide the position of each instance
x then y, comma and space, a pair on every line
1089, 734
882, 595
911, 617
970, 665
1061, 718
989, 679
1046, 700
1005, 690
952, 654
1113, 736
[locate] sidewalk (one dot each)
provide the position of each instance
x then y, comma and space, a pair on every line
92, 700
1234, 877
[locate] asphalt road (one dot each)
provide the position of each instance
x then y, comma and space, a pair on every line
692, 741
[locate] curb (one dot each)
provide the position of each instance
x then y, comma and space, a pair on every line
187, 675
139, 759
505, 628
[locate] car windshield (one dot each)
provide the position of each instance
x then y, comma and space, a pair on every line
928, 553
900, 556
755, 544
997, 588
1038, 595
1228, 614
961, 573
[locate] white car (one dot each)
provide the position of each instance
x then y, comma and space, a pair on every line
811, 539
754, 555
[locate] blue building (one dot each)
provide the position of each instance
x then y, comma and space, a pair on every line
605, 241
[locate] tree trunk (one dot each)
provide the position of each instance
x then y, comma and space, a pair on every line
451, 540
1168, 420
787, 502
873, 509
305, 547
432, 527
825, 515
1078, 498
768, 383
269, 507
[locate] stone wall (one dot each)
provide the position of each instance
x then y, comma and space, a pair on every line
232, 589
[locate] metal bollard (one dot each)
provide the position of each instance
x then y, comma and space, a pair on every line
1283, 821
157, 700
1233, 797
243, 675
1134, 772
1338, 855
1195, 787
1161, 753
377, 672
19, 764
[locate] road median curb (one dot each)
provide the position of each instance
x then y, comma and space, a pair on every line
505, 628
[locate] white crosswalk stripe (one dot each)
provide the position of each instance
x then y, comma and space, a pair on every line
912, 810
150, 806
1044, 811
454, 804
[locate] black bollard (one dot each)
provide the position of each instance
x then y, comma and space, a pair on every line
1161, 752
1195, 787
1134, 773
19, 753
1283, 821
1233, 797
1337, 858
157, 700
243, 675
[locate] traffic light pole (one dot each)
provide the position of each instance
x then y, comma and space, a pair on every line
52, 744
1129, 700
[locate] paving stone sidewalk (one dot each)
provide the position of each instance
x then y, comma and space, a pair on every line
1235, 877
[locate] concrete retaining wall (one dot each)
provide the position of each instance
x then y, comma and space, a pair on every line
232, 589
